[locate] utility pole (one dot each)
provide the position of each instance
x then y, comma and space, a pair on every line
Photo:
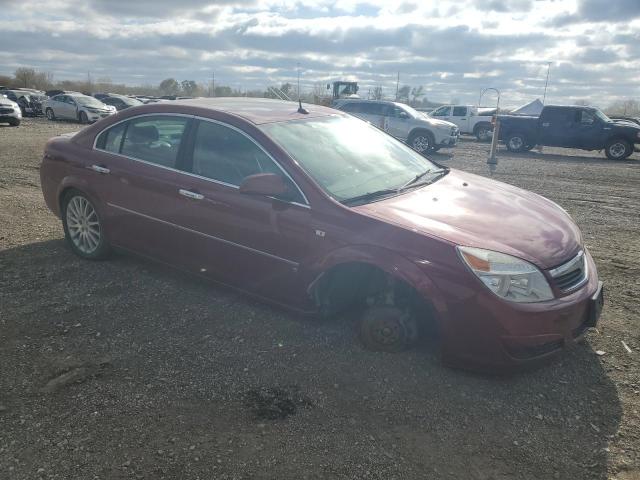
397, 86
213, 84
544, 98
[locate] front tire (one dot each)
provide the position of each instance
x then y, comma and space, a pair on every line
50, 115
14, 122
83, 227
516, 142
618, 149
421, 141
387, 329
84, 120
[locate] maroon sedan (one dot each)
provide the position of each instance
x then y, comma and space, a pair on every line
322, 212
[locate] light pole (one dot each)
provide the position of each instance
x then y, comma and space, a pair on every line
485, 90
492, 161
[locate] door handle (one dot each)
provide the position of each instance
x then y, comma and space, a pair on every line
546, 124
99, 169
190, 194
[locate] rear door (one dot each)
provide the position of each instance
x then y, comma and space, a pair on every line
138, 165
250, 241
556, 127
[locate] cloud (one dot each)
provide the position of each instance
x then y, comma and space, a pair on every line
453, 50
598, 11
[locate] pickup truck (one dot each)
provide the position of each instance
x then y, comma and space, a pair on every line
585, 128
467, 118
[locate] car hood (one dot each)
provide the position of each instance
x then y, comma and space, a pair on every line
471, 210
437, 123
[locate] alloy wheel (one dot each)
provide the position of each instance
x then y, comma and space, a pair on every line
421, 143
83, 225
516, 143
617, 150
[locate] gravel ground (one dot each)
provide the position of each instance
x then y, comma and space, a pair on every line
127, 369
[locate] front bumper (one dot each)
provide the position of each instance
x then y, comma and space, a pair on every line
451, 140
486, 333
94, 117
10, 113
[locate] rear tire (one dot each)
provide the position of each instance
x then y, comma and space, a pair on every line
421, 141
516, 142
618, 149
83, 227
50, 115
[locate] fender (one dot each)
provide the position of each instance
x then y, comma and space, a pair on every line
73, 181
390, 262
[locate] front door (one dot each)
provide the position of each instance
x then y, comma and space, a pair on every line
253, 242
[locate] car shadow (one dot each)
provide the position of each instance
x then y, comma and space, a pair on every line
559, 158
174, 342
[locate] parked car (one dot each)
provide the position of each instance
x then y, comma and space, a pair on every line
9, 111
324, 213
29, 101
120, 102
422, 133
77, 106
53, 93
585, 128
468, 119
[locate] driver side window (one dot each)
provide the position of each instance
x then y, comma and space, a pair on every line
226, 155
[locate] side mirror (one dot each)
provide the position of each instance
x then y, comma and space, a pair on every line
267, 184
403, 115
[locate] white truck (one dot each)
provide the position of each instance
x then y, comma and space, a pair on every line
468, 119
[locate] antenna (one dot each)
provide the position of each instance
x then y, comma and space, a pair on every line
301, 109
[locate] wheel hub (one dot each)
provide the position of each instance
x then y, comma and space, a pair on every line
83, 225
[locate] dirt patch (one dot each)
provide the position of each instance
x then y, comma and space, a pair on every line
275, 403
178, 398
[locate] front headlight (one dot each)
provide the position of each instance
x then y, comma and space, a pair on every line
508, 277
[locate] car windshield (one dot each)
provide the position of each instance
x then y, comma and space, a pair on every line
412, 111
88, 101
132, 102
600, 114
348, 157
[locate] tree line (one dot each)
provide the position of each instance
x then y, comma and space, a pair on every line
25, 77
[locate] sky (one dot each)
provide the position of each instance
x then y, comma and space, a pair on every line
454, 49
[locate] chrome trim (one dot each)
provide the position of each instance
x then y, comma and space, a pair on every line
95, 141
566, 267
577, 262
222, 240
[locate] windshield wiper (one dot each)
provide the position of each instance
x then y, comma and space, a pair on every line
437, 174
370, 195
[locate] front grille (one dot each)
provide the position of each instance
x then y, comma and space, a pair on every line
6, 110
571, 274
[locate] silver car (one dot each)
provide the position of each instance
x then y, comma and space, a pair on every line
9, 111
420, 132
75, 106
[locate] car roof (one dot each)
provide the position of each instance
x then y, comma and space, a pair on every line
257, 110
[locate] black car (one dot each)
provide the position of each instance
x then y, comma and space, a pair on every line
585, 128
120, 101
